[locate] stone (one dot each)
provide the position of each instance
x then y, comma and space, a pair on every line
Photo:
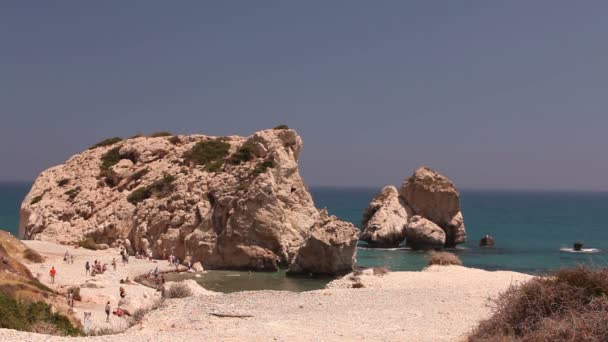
329, 250
433, 196
198, 267
486, 241
422, 233
252, 212
385, 218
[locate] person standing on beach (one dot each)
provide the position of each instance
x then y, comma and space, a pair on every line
71, 258
87, 269
108, 311
52, 273
70, 299
114, 263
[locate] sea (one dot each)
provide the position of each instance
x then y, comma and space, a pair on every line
534, 233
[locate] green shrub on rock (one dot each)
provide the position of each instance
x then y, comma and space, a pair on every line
160, 134
160, 187
106, 142
110, 158
36, 199
63, 181
175, 140
207, 151
263, 167
279, 127
243, 154
72, 193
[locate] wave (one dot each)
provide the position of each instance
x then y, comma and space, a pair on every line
384, 249
583, 250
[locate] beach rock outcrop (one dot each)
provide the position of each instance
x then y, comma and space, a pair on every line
431, 197
385, 218
228, 202
423, 233
329, 249
486, 241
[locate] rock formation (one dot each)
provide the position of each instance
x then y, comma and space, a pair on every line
330, 249
228, 202
486, 241
385, 219
432, 218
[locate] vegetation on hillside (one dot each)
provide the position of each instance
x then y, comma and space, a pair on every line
160, 187
33, 316
110, 158
262, 167
568, 305
281, 127
160, 134
208, 151
106, 142
36, 199
243, 154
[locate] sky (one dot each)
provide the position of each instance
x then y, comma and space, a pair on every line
496, 95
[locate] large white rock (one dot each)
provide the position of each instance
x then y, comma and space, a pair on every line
255, 214
385, 219
423, 233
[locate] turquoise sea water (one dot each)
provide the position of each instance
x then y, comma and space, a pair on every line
529, 229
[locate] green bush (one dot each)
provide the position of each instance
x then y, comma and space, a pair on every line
138, 174
109, 177
88, 243
263, 167
215, 166
25, 316
160, 134
110, 158
36, 199
160, 187
72, 193
136, 136
243, 154
63, 181
207, 151
175, 140
106, 142
282, 127
139, 195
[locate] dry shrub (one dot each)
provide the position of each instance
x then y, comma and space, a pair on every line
358, 285
33, 256
179, 290
570, 305
380, 271
46, 328
444, 259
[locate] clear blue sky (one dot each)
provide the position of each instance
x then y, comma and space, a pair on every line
509, 94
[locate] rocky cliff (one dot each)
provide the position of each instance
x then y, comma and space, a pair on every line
425, 212
229, 202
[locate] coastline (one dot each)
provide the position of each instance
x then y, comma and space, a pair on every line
440, 303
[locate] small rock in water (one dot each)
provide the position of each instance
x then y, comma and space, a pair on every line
486, 241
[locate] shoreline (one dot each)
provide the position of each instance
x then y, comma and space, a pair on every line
440, 303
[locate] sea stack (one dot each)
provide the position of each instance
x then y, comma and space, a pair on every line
425, 212
228, 202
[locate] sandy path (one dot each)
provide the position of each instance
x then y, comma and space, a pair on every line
95, 291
